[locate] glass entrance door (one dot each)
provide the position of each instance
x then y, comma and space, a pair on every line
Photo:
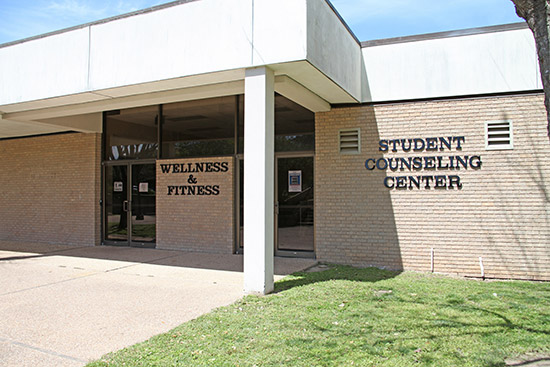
294, 205
130, 208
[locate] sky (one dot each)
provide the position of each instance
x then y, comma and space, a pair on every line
368, 19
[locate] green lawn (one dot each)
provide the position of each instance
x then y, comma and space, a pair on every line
360, 317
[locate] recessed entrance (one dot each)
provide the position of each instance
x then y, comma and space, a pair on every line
294, 205
130, 209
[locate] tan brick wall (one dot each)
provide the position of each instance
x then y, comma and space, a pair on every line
203, 223
50, 189
502, 213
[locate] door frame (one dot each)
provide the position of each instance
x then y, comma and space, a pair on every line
237, 201
290, 253
128, 164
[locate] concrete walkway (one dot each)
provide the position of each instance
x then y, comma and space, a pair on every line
65, 306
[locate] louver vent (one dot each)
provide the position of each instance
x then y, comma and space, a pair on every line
350, 141
498, 135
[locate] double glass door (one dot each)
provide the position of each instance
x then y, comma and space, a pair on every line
130, 208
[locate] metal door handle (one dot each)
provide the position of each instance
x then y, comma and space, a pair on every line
277, 208
125, 205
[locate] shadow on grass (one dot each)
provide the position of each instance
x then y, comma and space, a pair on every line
410, 322
334, 273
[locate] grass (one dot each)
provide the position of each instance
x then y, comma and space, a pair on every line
360, 317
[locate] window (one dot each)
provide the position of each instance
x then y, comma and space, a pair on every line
212, 127
349, 141
499, 135
294, 126
199, 128
131, 133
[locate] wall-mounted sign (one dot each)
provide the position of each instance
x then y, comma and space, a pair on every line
144, 187
423, 163
118, 186
294, 181
191, 174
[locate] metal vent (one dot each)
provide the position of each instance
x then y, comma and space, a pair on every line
350, 141
499, 135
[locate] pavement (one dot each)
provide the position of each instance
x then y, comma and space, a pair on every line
65, 306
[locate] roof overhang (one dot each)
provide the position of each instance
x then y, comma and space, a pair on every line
191, 50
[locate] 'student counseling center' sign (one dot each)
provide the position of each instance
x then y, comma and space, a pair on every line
430, 163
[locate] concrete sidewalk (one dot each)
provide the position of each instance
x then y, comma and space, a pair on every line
65, 306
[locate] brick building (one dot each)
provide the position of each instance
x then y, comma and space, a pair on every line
266, 128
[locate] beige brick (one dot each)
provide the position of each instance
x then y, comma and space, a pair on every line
51, 189
502, 212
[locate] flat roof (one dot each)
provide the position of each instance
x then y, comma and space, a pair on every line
143, 11
101, 21
446, 34
370, 43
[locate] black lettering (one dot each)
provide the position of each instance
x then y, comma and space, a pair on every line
418, 148
378, 164
401, 182
440, 182
405, 162
225, 167
200, 190
452, 162
199, 167
367, 164
209, 166
429, 162
215, 190
191, 190
459, 140
417, 163
387, 181
175, 168
170, 190
165, 168
216, 167
427, 180
431, 144
454, 180
390, 163
447, 143
475, 162
415, 181
440, 164
462, 162
407, 149
394, 142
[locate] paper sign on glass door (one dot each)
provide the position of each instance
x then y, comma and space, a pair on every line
144, 187
294, 181
118, 186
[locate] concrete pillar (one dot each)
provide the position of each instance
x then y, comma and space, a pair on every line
259, 130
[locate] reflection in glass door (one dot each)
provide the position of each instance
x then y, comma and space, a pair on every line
130, 209
116, 203
294, 204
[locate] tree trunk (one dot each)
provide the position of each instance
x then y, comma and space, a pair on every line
537, 15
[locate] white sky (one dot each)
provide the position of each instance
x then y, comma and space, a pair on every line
369, 19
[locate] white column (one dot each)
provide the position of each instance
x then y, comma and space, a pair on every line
259, 126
